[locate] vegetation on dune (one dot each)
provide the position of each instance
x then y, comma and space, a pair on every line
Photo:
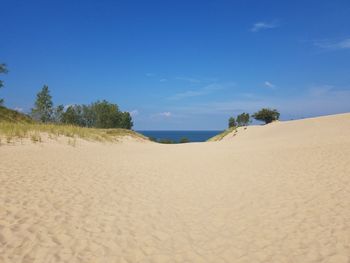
267, 115
184, 140
220, 136
100, 114
8, 115
11, 131
243, 119
232, 122
169, 141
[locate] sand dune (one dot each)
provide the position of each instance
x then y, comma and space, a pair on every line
275, 193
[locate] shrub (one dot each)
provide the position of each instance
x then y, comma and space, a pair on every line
166, 141
267, 115
184, 140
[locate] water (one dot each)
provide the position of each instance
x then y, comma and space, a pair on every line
192, 136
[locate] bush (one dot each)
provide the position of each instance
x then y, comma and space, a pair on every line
166, 141
184, 140
267, 115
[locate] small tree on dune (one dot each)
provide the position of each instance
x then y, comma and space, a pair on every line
231, 122
243, 119
43, 107
267, 115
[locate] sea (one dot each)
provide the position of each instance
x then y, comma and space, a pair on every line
192, 136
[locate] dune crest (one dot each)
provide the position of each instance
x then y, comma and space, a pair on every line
273, 193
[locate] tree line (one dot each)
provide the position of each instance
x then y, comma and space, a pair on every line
266, 115
99, 114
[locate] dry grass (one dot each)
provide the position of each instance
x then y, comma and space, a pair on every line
220, 136
10, 132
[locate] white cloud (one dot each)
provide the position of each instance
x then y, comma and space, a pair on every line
134, 113
163, 80
333, 45
263, 25
269, 85
166, 114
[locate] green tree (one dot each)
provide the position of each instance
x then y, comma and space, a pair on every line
231, 122
58, 113
107, 115
43, 107
126, 121
73, 115
3, 70
243, 119
267, 115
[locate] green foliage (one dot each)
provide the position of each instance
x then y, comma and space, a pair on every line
100, 114
8, 115
166, 141
73, 116
3, 70
152, 139
267, 115
184, 140
231, 122
43, 107
58, 113
243, 119
126, 120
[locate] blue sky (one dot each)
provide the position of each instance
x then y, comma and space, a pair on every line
180, 64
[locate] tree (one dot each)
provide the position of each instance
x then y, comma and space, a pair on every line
243, 119
267, 115
231, 122
43, 108
73, 115
126, 121
3, 70
58, 113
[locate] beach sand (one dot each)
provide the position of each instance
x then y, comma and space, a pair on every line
273, 193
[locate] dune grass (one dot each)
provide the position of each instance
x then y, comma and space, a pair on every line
9, 115
220, 136
10, 132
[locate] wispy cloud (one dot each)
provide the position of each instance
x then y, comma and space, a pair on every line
333, 45
191, 80
165, 114
200, 92
268, 84
150, 75
163, 80
134, 113
263, 25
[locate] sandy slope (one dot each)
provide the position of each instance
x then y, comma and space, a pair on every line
275, 193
